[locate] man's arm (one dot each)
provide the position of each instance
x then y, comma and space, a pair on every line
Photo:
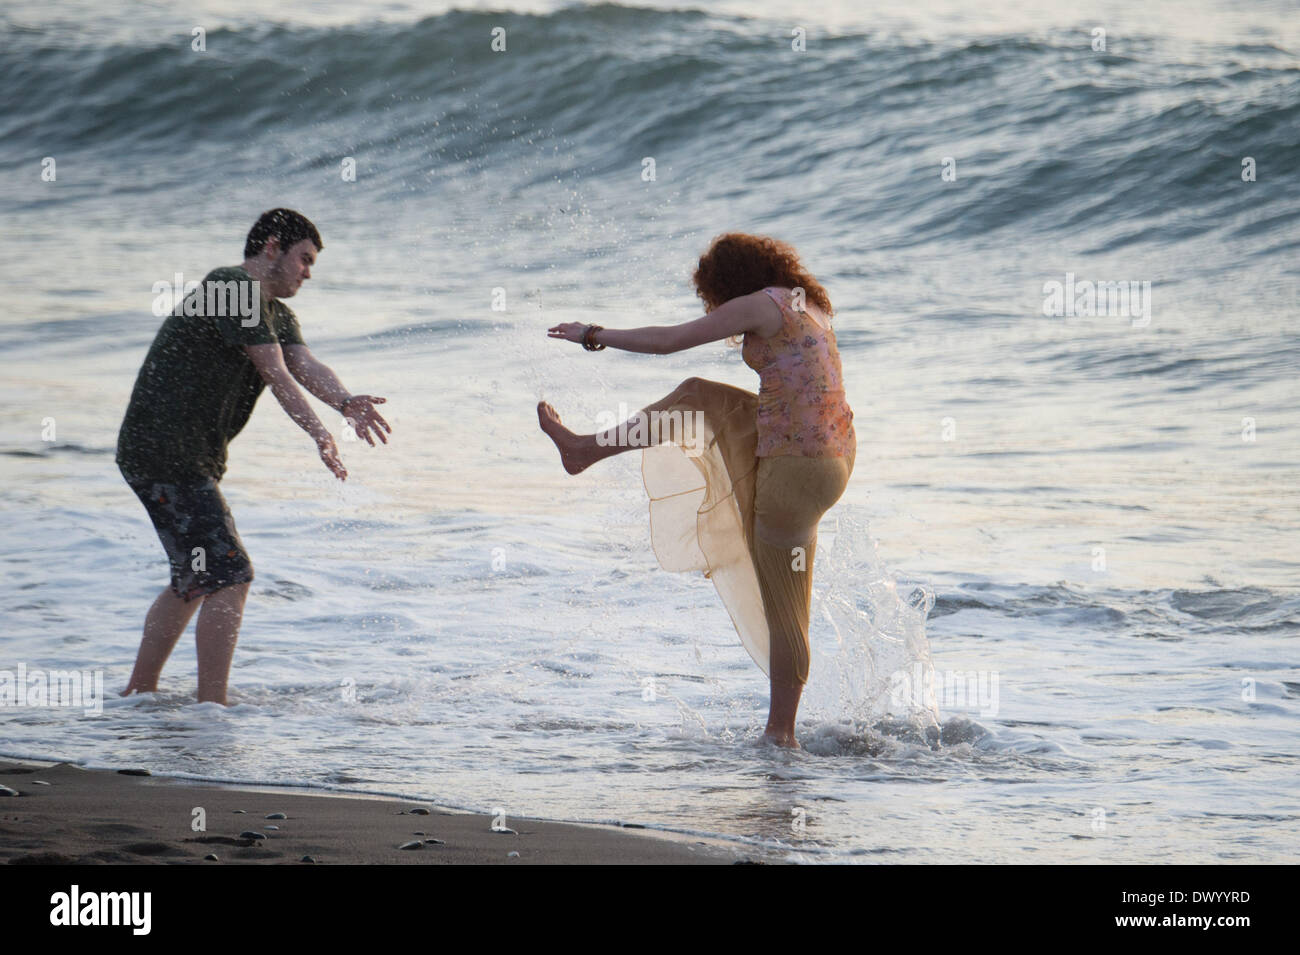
320, 380
269, 361
315, 376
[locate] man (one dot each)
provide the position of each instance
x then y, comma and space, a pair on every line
195, 392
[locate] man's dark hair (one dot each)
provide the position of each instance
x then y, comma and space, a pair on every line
286, 225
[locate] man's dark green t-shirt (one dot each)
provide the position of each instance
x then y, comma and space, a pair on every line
197, 387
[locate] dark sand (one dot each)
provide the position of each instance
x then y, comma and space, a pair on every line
101, 816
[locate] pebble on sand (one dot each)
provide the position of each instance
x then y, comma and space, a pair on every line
6, 791
512, 855
308, 859
419, 812
275, 828
277, 815
413, 844
211, 857
134, 772
250, 834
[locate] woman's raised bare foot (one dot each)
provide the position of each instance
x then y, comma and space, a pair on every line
569, 444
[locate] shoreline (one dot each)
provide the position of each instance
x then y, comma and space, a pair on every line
65, 814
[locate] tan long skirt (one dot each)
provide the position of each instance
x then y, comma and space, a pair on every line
749, 524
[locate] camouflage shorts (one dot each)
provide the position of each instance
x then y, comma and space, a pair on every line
198, 534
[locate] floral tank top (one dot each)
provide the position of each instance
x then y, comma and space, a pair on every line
802, 409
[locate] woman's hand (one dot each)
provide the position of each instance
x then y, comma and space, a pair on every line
569, 331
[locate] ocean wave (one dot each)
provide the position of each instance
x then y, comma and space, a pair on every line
1047, 135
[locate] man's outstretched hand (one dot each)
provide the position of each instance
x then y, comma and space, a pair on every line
329, 453
359, 410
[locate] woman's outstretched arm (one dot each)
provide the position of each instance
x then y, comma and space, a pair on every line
756, 312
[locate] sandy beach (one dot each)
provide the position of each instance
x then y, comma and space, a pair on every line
66, 815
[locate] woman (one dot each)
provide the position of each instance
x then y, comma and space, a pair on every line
766, 466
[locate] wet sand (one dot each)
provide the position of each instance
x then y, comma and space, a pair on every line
64, 814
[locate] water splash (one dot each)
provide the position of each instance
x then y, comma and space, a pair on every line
871, 658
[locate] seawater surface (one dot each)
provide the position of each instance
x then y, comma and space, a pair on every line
1056, 612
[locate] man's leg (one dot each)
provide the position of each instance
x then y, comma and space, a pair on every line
218, 631
163, 626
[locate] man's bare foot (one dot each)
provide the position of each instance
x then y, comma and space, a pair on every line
782, 739
569, 444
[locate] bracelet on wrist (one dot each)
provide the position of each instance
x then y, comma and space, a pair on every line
589, 338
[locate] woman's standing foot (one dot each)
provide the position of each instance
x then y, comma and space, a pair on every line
785, 740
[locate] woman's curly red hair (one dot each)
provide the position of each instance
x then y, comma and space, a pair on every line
737, 263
